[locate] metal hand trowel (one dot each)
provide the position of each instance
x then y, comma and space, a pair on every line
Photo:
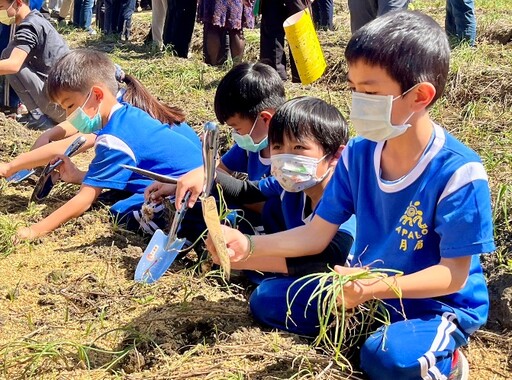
148, 173
48, 177
209, 205
162, 250
20, 176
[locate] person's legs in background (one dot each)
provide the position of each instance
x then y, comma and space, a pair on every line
66, 9
272, 36
460, 21
236, 45
386, 6
361, 12
179, 25
77, 12
364, 11
323, 14
127, 9
86, 16
158, 14
214, 44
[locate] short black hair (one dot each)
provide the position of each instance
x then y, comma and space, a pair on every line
409, 45
308, 117
246, 90
79, 70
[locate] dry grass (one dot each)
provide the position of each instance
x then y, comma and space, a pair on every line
71, 293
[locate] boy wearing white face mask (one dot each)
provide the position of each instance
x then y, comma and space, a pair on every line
421, 199
27, 59
305, 136
83, 82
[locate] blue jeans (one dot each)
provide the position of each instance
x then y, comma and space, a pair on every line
323, 12
82, 13
460, 22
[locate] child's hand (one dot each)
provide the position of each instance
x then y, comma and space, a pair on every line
68, 170
236, 242
5, 170
25, 233
193, 182
354, 292
157, 191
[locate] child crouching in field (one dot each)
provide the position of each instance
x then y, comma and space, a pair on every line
421, 199
305, 136
83, 83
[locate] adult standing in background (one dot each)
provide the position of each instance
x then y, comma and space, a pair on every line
460, 22
221, 19
273, 15
364, 11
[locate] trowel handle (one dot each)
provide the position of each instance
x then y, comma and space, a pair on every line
210, 147
178, 217
72, 149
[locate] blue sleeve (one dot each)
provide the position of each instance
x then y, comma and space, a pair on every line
186, 131
36, 4
464, 221
104, 171
270, 187
336, 205
236, 159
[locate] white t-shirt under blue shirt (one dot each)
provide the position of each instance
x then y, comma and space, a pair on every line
440, 209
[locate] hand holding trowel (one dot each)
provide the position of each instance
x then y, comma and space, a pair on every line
210, 213
49, 177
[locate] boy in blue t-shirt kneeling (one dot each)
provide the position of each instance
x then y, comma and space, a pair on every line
421, 199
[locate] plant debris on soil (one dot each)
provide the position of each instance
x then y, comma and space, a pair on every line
69, 308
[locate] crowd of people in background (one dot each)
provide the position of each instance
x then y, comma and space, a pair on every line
223, 23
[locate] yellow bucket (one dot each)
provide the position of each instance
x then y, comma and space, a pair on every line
307, 53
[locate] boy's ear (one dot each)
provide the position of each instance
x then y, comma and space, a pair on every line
424, 92
336, 157
97, 93
266, 116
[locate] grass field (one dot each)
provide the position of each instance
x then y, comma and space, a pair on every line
70, 310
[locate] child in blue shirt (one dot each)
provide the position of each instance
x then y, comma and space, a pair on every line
245, 100
83, 83
421, 199
305, 136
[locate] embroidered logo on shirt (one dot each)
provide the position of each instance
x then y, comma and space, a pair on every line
411, 228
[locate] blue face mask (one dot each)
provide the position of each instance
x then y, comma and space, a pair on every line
82, 122
247, 143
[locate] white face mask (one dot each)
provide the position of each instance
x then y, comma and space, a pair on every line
5, 18
371, 116
294, 172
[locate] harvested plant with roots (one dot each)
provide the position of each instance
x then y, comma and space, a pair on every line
340, 329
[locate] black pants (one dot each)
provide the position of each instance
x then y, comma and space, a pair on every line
273, 14
179, 25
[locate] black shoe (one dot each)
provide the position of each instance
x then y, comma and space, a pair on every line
41, 124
